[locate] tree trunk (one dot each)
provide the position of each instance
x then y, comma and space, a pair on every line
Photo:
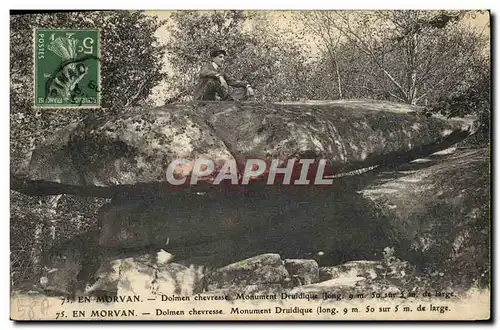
339, 82
37, 247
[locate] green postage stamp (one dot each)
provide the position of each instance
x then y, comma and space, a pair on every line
67, 68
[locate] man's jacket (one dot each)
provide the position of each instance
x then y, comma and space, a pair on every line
209, 74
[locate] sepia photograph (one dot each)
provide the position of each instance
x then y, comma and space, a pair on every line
250, 165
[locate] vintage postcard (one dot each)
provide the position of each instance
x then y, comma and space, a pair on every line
250, 165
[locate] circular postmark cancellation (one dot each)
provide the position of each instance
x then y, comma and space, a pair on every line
67, 68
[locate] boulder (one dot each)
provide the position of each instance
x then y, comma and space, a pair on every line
361, 277
133, 149
263, 270
359, 268
128, 149
303, 271
145, 275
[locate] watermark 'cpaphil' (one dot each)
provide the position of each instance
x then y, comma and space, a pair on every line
290, 172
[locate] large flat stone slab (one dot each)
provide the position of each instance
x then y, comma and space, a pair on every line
134, 149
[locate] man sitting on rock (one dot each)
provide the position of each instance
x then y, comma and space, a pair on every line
214, 83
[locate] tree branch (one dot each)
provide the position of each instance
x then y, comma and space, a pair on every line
366, 49
136, 95
397, 97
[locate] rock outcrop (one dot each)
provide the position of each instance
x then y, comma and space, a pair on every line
259, 270
145, 274
440, 206
125, 158
362, 268
136, 148
303, 271
442, 201
142, 273
151, 275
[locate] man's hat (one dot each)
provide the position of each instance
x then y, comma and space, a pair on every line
217, 52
